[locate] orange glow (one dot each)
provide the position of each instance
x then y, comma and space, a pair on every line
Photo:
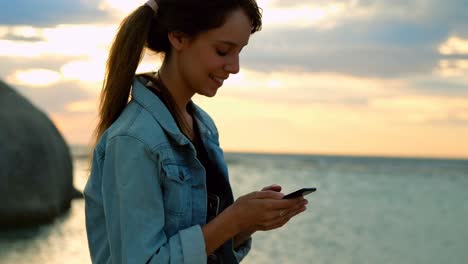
34, 77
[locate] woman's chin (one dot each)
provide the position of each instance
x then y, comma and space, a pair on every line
209, 93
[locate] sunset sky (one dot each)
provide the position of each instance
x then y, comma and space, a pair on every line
354, 77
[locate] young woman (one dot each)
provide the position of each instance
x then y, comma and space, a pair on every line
159, 190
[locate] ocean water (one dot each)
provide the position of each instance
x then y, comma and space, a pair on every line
366, 210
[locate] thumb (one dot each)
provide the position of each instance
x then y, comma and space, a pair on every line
273, 187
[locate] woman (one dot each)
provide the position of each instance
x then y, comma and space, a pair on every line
159, 190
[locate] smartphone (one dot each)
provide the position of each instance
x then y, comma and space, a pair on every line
301, 192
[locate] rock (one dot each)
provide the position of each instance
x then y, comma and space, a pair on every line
36, 171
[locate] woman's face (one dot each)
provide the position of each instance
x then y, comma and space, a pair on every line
206, 61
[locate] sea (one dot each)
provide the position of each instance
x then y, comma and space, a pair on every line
381, 210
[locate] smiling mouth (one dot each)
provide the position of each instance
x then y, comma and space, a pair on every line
219, 81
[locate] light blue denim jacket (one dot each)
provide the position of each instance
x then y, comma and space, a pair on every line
146, 198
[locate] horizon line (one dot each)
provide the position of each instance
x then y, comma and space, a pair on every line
298, 153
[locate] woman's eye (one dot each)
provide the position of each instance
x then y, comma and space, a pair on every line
221, 53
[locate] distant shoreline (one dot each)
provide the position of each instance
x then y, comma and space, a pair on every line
84, 152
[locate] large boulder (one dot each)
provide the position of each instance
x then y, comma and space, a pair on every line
36, 172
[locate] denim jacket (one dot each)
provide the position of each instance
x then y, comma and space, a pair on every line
146, 198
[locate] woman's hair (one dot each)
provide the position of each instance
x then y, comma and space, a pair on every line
143, 28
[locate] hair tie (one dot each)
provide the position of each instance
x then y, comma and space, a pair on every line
153, 4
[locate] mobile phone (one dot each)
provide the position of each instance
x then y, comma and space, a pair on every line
301, 192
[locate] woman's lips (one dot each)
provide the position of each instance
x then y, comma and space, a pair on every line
217, 80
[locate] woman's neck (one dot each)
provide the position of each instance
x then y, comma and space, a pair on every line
174, 83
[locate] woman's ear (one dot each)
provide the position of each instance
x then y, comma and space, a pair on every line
177, 39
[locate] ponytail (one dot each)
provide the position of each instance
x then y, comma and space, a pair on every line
124, 56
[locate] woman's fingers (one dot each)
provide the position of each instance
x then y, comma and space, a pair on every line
266, 209
281, 217
273, 187
297, 211
268, 194
287, 204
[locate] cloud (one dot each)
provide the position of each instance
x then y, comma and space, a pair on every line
453, 68
448, 87
392, 46
383, 39
52, 12
454, 45
34, 77
63, 40
321, 17
55, 97
92, 70
385, 10
10, 65
347, 50
120, 7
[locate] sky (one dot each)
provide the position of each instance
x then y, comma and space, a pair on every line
346, 77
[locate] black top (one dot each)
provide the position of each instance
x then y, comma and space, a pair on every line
216, 184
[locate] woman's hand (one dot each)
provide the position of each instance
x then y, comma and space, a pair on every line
244, 235
265, 210
262, 210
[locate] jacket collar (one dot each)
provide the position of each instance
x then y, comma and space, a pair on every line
161, 114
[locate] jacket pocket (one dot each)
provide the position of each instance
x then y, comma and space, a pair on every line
177, 189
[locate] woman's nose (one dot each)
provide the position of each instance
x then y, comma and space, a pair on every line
232, 66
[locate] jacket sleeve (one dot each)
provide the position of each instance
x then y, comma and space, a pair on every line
134, 209
241, 251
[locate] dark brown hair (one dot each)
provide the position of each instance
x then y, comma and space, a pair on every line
143, 28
